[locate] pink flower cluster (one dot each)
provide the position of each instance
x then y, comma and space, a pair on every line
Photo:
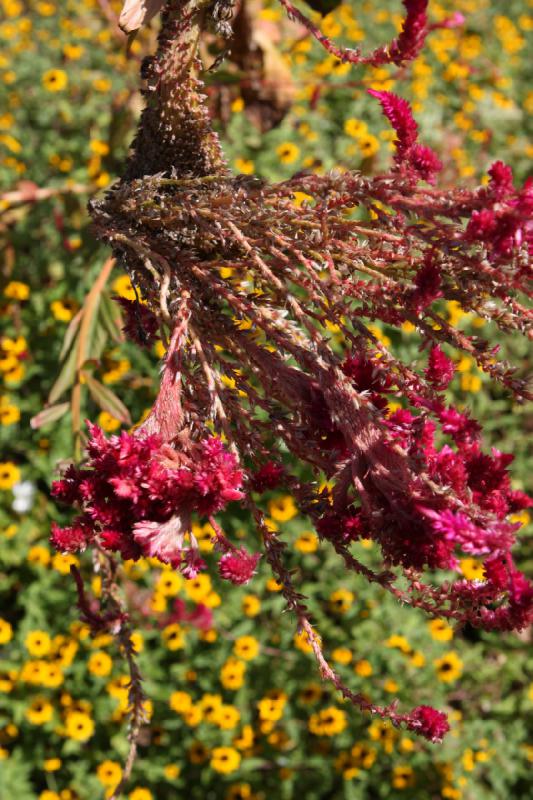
137, 497
437, 501
504, 223
428, 722
413, 34
413, 159
404, 48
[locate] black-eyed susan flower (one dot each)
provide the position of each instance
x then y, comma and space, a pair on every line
341, 600
472, 569
227, 717
245, 740
73, 51
40, 711
15, 374
10, 531
180, 702
239, 791
9, 414
399, 643
197, 589
301, 641
368, 145
53, 675
210, 705
198, 753
417, 659
123, 287
8, 362
174, 636
328, 722
109, 773
171, 771
440, 630
102, 84
391, 686
384, 734
355, 128
225, 759
244, 165
288, 152
33, 672
16, 290
52, 764
310, 694
232, 673
14, 347
63, 310
449, 667
108, 422
79, 726
55, 80
403, 776
38, 643
307, 542
342, 655
99, 664
169, 583
344, 763
363, 668
63, 562
6, 631
363, 755
38, 555
141, 793
269, 710
282, 508
251, 605
246, 647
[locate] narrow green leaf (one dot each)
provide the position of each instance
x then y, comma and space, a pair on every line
66, 377
49, 415
106, 399
109, 313
70, 333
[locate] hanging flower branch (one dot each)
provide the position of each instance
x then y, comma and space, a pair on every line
416, 480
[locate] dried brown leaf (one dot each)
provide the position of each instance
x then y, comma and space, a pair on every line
136, 13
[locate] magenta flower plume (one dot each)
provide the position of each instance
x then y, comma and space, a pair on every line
429, 723
401, 50
137, 496
411, 158
440, 369
238, 566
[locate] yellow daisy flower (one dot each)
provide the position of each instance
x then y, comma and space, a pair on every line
288, 152
9, 475
55, 80
225, 759
449, 667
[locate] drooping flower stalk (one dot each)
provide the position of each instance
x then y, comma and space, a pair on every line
249, 284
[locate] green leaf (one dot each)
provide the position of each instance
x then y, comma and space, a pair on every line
107, 400
70, 333
111, 318
66, 377
48, 415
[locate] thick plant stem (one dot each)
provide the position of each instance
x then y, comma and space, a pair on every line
175, 136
